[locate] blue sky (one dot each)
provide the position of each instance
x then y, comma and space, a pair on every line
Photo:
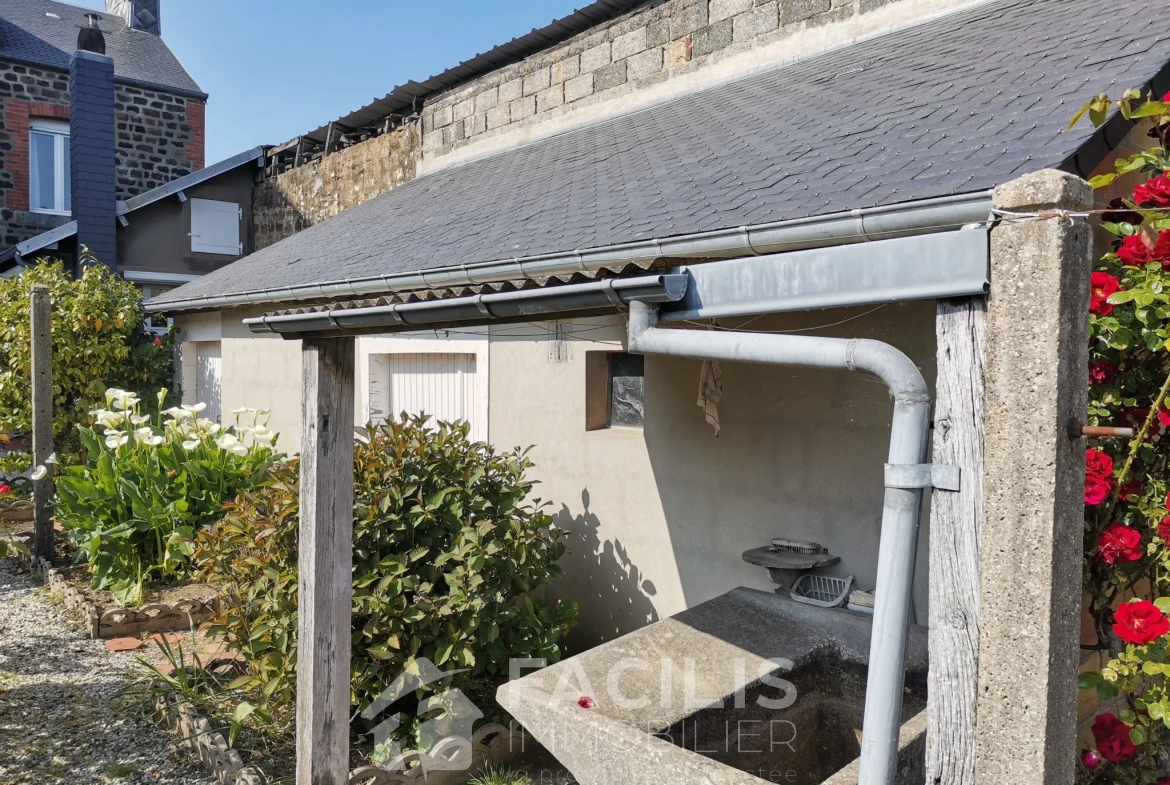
278, 68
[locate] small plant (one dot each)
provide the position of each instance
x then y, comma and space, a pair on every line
150, 483
7, 545
493, 775
449, 556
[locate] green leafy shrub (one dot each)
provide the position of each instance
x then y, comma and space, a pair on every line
149, 484
448, 553
99, 341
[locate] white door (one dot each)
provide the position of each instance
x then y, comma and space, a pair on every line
439, 385
209, 378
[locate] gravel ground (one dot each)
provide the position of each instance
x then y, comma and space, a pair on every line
57, 724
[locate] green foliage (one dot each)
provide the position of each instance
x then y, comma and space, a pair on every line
448, 555
99, 341
493, 775
1127, 520
149, 484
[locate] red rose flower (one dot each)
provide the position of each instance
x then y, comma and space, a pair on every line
1153, 193
1168, 501
1097, 489
1101, 372
5, 489
1163, 414
1090, 760
1135, 252
1098, 476
1140, 622
1104, 285
1119, 544
1164, 530
157, 341
1112, 737
1098, 463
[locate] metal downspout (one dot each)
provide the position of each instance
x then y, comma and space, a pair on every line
899, 530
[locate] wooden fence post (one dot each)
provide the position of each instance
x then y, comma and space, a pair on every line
40, 332
325, 562
956, 524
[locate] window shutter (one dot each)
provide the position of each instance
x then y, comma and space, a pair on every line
215, 227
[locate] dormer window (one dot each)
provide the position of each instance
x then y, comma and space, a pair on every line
48, 147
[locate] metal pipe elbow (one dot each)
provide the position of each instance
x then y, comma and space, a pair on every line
890, 365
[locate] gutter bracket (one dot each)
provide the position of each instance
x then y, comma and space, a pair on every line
608, 290
941, 477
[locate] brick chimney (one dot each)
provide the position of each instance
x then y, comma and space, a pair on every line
92, 166
138, 14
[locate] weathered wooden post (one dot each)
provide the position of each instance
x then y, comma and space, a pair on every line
956, 526
325, 562
40, 332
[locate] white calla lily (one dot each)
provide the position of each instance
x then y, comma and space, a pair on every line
194, 408
139, 419
52, 459
191, 444
175, 413
229, 443
115, 439
162, 396
39, 473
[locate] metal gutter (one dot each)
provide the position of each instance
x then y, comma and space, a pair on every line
906, 477
853, 226
530, 303
190, 180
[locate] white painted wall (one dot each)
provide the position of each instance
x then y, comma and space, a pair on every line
660, 515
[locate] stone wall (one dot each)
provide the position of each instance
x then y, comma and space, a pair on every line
648, 46
160, 138
308, 194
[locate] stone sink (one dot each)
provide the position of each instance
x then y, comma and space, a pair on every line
750, 687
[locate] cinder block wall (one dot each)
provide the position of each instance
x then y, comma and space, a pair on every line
643, 49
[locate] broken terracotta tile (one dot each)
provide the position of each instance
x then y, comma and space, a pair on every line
124, 644
170, 637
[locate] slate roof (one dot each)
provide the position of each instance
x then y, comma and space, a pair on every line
955, 105
29, 35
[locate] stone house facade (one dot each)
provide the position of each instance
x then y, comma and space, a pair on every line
160, 110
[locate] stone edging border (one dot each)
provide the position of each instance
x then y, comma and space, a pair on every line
117, 622
492, 743
195, 733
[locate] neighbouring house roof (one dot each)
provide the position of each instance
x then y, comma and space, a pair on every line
955, 105
402, 98
8, 259
44, 33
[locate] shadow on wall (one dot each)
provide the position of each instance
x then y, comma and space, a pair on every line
614, 596
800, 455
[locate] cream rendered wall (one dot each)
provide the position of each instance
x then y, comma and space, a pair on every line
661, 515
263, 372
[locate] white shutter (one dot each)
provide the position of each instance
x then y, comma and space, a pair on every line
215, 227
439, 385
209, 378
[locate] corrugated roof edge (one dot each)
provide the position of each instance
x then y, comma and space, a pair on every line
859, 225
122, 80
403, 96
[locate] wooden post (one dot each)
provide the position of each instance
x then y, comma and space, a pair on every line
325, 562
41, 339
956, 524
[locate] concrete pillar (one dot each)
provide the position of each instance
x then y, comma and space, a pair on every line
1037, 339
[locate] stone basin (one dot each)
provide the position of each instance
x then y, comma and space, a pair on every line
750, 687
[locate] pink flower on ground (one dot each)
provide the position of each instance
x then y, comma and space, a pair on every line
586, 702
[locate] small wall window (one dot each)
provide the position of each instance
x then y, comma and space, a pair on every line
615, 395
215, 227
48, 170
